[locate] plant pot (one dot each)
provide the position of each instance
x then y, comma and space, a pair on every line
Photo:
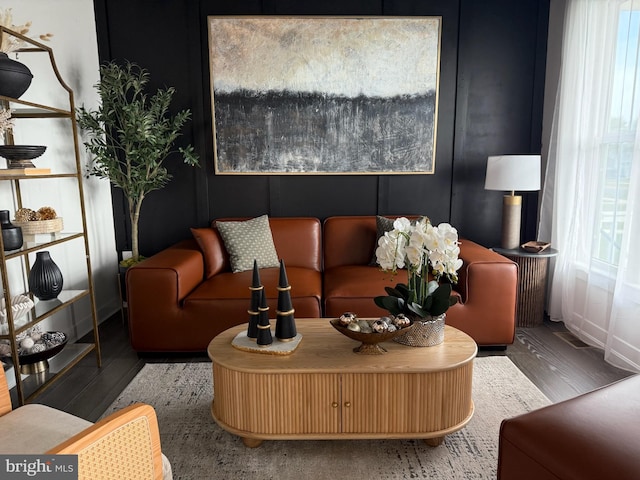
15, 77
424, 332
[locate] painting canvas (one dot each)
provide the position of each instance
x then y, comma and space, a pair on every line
317, 95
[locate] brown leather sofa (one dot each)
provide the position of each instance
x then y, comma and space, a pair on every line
173, 305
590, 437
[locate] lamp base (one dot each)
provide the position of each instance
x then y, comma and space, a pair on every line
511, 216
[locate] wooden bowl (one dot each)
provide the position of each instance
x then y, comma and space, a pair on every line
369, 341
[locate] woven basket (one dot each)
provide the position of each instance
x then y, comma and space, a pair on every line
424, 333
40, 226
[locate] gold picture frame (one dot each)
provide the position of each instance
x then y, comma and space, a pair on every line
324, 95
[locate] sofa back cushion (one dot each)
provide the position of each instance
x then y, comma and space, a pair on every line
352, 240
298, 241
216, 258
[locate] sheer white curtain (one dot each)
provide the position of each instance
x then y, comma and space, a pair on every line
591, 198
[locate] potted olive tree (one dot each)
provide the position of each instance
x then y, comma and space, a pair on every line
130, 135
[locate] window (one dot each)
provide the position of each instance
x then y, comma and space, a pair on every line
619, 138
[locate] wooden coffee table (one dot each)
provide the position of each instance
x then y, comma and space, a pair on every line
323, 390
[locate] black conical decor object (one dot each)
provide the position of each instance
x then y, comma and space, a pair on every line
285, 321
45, 278
256, 289
264, 327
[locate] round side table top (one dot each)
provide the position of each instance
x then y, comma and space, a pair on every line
520, 252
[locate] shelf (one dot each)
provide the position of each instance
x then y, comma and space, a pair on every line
36, 383
30, 177
46, 308
34, 110
28, 386
30, 247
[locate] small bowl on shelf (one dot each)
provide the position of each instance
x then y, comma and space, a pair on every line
369, 342
37, 362
20, 156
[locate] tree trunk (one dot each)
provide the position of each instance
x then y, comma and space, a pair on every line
134, 216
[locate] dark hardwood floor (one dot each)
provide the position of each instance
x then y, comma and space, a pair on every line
547, 355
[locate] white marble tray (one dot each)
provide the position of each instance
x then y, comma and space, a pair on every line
278, 347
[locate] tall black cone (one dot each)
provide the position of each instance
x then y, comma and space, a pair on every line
256, 290
264, 327
285, 321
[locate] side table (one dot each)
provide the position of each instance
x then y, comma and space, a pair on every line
532, 283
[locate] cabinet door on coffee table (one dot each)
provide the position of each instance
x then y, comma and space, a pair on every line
405, 403
276, 404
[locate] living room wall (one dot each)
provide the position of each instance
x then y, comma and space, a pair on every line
490, 103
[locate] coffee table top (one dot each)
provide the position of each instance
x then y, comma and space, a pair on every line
324, 349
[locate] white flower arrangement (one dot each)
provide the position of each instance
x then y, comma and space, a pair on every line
10, 43
423, 249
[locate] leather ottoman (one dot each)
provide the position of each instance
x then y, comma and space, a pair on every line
593, 436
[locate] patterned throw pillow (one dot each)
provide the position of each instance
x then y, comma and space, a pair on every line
248, 240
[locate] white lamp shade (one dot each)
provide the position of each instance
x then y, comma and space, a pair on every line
513, 172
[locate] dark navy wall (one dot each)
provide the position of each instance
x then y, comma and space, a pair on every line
490, 102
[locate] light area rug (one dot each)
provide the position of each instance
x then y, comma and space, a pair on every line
198, 448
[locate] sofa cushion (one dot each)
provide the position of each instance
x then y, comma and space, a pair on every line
206, 238
248, 240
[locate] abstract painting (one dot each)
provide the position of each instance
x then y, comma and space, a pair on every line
318, 95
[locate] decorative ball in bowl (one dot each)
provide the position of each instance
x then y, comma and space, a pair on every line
370, 332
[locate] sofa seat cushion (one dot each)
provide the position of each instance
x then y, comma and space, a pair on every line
230, 291
352, 288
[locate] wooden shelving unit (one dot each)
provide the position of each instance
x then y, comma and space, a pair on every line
29, 386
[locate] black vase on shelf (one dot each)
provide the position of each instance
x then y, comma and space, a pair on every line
15, 77
11, 234
45, 278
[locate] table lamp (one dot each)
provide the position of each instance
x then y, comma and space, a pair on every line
512, 173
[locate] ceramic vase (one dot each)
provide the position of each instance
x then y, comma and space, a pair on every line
11, 234
15, 77
45, 278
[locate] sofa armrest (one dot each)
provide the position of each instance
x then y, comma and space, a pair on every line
157, 286
484, 272
125, 444
488, 285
